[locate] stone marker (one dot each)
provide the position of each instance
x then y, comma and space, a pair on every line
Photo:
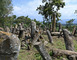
11, 28
33, 29
68, 42
60, 27
21, 34
7, 29
41, 49
60, 30
74, 31
9, 46
21, 31
15, 29
72, 57
49, 36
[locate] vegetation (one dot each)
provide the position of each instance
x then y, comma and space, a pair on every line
69, 24
6, 19
50, 10
33, 54
5, 10
12, 20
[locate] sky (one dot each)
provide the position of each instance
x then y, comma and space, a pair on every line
28, 8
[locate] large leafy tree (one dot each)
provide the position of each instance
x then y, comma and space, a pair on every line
5, 10
50, 10
69, 24
26, 20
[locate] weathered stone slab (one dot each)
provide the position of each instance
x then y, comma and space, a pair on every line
41, 48
7, 29
33, 29
9, 46
49, 36
68, 42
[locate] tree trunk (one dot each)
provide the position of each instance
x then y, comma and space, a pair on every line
54, 23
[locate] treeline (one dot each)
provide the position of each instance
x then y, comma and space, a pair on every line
6, 8
13, 20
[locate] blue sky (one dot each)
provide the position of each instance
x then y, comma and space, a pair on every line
28, 7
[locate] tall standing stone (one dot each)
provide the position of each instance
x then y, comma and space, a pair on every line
15, 29
11, 28
21, 31
74, 31
60, 30
51, 28
7, 29
60, 27
33, 29
68, 42
49, 36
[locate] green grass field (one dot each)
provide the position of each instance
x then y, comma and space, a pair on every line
33, 54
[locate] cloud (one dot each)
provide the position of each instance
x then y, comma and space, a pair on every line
29, 9
69, 1
68, 12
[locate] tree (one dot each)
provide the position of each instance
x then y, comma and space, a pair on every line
50, 9
5, 10
70, 21
69, 24
26, 20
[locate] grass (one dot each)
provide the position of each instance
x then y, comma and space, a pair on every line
33, 54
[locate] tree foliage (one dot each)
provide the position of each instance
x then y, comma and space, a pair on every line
50, 10
5, 10
70, 21
69, 24
12, 20
50, 7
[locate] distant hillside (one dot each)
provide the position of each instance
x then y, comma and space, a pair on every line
64, 21
65, 24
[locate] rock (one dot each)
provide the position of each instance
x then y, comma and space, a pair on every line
33, 29
45, 43
9, 46
63, 59
1, 29
7, 29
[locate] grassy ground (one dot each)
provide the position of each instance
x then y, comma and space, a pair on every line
33, 53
